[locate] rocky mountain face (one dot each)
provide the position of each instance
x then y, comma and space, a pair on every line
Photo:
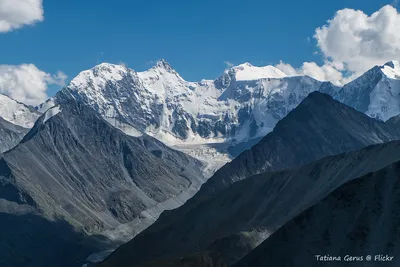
243, 104
376, 93
229, 218
358, 219
15, 121
320, 126
10, 135
230, 223
76, 168
237, 109
17, 113
160, 103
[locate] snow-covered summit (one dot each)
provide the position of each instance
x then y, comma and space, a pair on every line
162, 71
163, 64
99, 75
159, 102
244, 103
392, 69
376, 92
17, 113
247, 72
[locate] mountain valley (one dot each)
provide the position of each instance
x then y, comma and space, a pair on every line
230, 164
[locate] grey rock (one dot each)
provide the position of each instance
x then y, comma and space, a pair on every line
318, 127
10, 135
75, 167
357, 93
237, 219
358, 219
240, 215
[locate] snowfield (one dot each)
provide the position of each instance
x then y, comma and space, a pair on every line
243, 104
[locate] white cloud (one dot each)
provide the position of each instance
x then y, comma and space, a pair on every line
288, 69
28, 84
359, 41
326, 72
15, 14
229, 65
353, 42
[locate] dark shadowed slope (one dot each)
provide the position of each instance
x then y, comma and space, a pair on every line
74, 166
318, 127
360, 218
29, 240
235, 220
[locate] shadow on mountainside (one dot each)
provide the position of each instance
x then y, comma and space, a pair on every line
30, 240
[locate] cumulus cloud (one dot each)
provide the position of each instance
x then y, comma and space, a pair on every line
353, 42
360, 41
326, 72
28, 84
15, 14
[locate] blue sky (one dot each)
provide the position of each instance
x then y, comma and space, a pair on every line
196, 37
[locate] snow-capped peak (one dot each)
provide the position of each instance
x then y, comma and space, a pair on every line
161, 69
247, 72
163, 64
392, 69
17, 113
99, 75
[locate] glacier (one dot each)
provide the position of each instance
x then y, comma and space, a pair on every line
209, 118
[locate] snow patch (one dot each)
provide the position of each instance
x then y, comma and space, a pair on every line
247, 72
214, 156
392, 70
99, 75
125, 128
46, 106
160, 103
17, 113
51, 113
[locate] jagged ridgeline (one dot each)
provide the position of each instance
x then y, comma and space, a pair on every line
15, 121
235, 211
216, 120
116, 147
74, 169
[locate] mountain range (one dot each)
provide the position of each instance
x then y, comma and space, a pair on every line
10, 135
75, 167
95, 166
15, 121
361, 217
216, 120
228, 217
